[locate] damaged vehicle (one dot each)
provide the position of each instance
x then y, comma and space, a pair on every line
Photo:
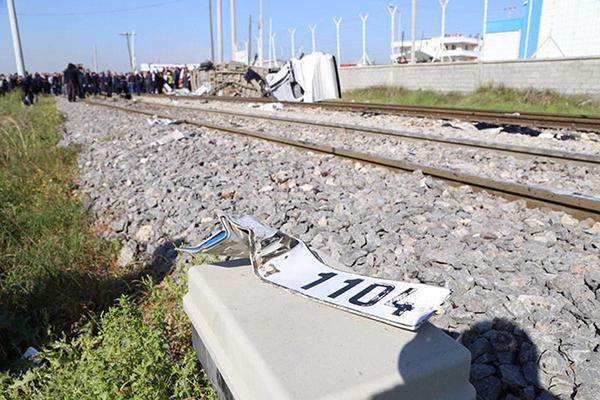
313, 77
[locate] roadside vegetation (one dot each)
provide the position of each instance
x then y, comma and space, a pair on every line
486, 97
102, 331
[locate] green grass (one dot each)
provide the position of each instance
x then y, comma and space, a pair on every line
104, 333
487, 97
132, 351
53, 269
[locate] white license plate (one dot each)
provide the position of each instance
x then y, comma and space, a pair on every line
403, 304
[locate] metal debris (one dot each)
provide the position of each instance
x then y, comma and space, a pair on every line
232, 79
171, 137
288, 262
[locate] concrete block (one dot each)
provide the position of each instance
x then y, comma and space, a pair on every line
259, 341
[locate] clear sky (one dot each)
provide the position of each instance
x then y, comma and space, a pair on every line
60, 31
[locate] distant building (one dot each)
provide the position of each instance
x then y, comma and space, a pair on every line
449, 48
502, 40
159, 67
548, 29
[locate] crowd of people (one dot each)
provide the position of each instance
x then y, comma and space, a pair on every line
77, 82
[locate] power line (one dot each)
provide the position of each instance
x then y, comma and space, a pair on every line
114, 11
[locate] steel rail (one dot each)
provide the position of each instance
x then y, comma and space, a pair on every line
542, 120
579, 205
514, 150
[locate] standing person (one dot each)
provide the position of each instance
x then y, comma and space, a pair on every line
59, 84
3, 85
53, 81
158, 82
185, 79
37, 84
82, 82
71, 79
95, 79
170, 80
13, 81
109, 84
130, 82
176, 74
27, 86
45, 84
101, 83
147, 76
138, 83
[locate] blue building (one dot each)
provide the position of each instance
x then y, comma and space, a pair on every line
547, 29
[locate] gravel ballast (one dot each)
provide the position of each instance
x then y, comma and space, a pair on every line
556, 139
526, 298
542, 172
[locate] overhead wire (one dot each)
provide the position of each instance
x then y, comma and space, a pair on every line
100, 12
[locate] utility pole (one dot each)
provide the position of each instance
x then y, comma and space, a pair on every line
14, 28
365, 58
485, 14
337, 22
413, 54
233, 35
270, 47
392, 9
219, 32
95, 60
260, 34
313, 28
249, 54
443, 4
133, 60
399, 25
210, 28
128, 36
274, 52
292, 32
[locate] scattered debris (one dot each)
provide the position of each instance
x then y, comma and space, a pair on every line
232, 79
457, 125
30, 352
546, 135
508, 128
170, 137
269, 106
162, 121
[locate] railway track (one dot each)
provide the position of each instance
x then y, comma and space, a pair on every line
540, 120
579, 205
510, 149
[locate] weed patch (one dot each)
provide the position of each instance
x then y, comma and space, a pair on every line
485, 97
130, 351
59, 282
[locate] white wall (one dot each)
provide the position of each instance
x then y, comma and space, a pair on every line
565, 75
502, 46
569, 28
